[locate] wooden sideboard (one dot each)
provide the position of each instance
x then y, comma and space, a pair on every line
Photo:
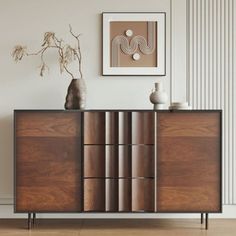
120, 161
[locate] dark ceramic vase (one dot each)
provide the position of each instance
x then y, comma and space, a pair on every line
76, 95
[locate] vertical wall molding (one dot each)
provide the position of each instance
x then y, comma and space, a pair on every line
171, 53
210, 73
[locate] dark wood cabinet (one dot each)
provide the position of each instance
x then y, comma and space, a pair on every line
117, 161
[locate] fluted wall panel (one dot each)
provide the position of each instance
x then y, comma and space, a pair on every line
210, 73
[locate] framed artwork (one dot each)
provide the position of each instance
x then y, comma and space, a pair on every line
134, 44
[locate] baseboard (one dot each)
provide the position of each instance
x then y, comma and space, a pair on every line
7, 212
6, 199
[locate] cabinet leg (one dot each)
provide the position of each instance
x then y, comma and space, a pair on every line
206, 224
29, 221
202, 219
34, 218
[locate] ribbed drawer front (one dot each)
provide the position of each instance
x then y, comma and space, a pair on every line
119, 161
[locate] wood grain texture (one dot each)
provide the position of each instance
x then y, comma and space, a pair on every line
142, 161
52, 184
142, 195
189, 124
188, 199
186, 148
187, 173
48, 164
188, 164
56, 198
94, 161
94, 195
94, 127
143, 127
34, 149
47, 124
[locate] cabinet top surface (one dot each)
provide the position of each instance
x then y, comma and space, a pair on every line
117, 110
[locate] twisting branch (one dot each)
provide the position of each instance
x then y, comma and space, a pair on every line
72, 76
78, 55
66, 53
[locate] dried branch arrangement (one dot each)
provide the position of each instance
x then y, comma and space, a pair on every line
66, 53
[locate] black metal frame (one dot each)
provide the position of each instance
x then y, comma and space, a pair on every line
32, 221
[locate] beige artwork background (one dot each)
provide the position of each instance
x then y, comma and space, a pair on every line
138, 28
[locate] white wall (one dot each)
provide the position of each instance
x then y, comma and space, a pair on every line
25, 21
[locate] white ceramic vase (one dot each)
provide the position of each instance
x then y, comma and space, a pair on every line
159, 97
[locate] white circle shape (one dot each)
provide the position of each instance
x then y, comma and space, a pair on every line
136, 56
129, 32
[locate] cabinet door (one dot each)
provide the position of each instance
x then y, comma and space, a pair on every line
188, 162
47, 161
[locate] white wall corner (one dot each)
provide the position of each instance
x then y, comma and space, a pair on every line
178, 43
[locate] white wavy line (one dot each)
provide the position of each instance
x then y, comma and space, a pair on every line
121, 42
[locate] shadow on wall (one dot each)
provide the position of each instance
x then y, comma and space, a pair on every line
6, 154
